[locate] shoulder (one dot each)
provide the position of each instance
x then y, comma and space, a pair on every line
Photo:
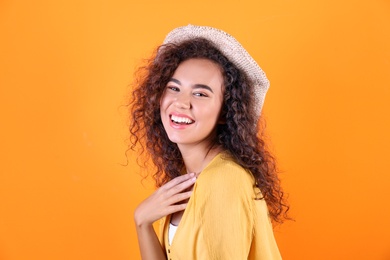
225, 175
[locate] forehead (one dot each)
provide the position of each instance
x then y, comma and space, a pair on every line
199, 71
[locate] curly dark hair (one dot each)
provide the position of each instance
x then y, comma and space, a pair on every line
241, 134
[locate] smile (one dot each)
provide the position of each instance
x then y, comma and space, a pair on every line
181, 120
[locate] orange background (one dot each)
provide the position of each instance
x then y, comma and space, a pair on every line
65, 67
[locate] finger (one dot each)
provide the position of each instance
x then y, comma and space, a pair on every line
178, 180
179, 198
179, 188
176, 208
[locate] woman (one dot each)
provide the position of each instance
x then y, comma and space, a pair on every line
195, 109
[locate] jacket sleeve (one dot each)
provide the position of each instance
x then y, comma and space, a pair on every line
225, 212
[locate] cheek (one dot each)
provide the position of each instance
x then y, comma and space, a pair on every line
218, 107
212, 113
163, 102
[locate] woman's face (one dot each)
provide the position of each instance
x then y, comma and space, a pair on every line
191, 103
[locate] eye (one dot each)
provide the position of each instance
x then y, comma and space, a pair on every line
200, 94
175, 89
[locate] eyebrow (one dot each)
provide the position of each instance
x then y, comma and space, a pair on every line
202, 86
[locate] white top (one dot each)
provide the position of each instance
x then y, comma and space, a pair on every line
171, 233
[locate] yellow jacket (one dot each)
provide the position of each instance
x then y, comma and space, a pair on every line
222, 220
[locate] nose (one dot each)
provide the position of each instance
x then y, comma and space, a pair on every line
183, 102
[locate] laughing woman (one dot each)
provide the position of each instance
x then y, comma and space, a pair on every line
196, 110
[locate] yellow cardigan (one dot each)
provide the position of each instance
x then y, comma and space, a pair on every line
222, 220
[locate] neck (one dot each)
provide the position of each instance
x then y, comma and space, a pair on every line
196, 158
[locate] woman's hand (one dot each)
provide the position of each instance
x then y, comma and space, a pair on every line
169, 198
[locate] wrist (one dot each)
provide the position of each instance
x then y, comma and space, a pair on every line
140, 220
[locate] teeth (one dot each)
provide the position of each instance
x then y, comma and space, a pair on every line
177, 119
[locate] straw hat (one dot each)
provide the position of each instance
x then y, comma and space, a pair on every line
232, 49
